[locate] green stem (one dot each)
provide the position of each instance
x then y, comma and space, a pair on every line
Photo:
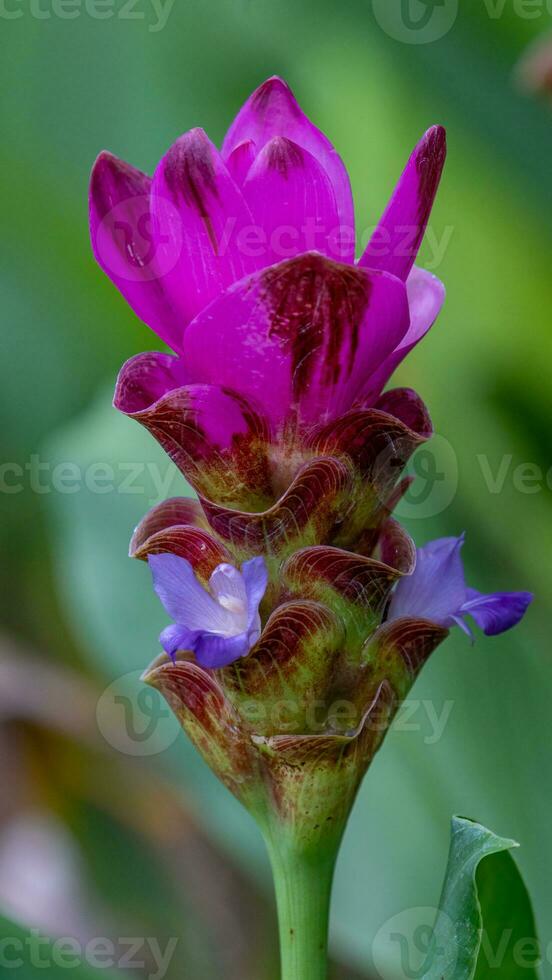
303, 884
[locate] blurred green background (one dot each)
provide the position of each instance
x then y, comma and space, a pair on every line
110, 825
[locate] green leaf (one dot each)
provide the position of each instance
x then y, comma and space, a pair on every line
485, 921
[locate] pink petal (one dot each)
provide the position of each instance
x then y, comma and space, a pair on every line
407, 406
426, 295
398, 236
299, 338
240, 160
292, 200
272, 110
145, 378
200, 216
122, 234
212, 434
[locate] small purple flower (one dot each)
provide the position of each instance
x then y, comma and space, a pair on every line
437, 591
219, 625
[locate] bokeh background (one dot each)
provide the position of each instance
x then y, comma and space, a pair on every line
110, 825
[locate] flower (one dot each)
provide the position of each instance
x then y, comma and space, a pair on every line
280, 575
273, 407
277, 189
219, 625
437, 590
243, 261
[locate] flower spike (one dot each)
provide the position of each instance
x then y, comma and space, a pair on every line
301, 611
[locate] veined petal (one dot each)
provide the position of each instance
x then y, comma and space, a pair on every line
406, 405
123, 242
178, 527
205, 429
192, 543
395, 548
255, 577
331, 765
271, 111
379, 445
210, 721
293, 203
185, 600
436, 590
228, 587
498, 611
298, 653
299, 338
398, 650
306, 512
145, 378
426, 295
354, 587
321, 572
398, 236
214, 652
171, 513
175, 638
199, 214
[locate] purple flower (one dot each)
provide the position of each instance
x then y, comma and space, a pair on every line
220, 624
437, 591
243, 261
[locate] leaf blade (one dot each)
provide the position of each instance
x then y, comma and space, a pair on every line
473, 931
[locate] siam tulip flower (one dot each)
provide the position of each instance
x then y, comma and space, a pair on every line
206, 219
254, 323
302, 613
